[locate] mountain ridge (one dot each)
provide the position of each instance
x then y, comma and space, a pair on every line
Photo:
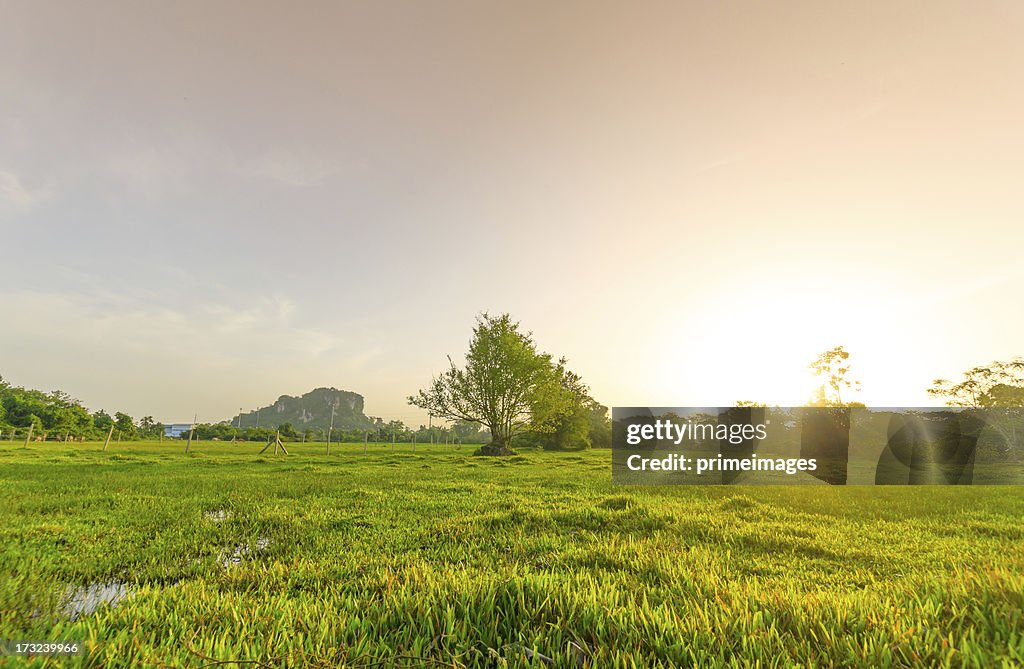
311, 410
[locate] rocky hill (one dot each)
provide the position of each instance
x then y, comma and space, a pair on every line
313, 410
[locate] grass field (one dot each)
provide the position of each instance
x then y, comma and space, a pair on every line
438, 558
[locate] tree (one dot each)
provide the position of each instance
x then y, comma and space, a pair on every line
124, 424
27, 407
999, 389
600, 426
506, 385
571, 428
832, 367
102, 420
468, 433
999, 384
69, 416
396, 429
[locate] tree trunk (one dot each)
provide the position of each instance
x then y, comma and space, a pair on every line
494, 448
498, 445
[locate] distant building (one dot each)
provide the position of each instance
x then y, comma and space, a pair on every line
175, 430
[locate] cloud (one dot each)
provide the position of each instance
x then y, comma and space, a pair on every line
970, 286
212, 334
724, 161
188, 160
16, 197
291, 170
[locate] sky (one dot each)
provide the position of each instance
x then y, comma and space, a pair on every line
206, 205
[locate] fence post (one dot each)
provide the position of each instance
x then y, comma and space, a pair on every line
30, 427
109, 435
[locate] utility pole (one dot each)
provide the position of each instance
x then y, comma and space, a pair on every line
190, 431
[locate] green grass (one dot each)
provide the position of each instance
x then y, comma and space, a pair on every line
438, 558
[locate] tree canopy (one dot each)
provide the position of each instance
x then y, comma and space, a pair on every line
506, 385
832, 368
998, 384
55, 412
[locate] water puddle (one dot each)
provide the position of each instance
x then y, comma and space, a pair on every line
242, 551
85, 599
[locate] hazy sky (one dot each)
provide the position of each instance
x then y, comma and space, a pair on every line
206, 205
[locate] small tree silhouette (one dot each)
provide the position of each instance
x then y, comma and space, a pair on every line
833, 368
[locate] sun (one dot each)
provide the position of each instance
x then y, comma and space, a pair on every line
757, 344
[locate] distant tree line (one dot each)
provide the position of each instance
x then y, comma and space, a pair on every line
508, 394
57, 415
462, 433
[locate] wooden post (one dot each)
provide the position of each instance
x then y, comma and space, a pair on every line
109, 435
31, 426
277, 443
330, 430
